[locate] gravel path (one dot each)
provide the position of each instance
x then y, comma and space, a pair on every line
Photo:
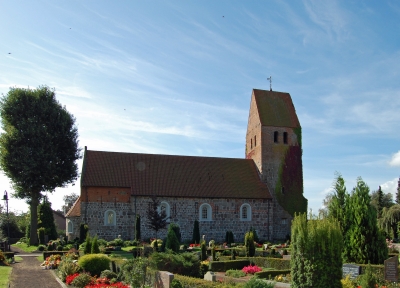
28, 273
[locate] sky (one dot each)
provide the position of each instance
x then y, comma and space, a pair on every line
176, 77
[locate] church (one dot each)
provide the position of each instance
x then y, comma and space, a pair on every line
263, 190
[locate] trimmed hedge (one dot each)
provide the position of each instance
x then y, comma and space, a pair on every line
195, 282
270, 274
222, 266
267, 262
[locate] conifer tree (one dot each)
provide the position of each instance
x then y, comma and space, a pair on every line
46, 219
137, 228
196, 232
316, 249
398, 192
249, 243
172, 241
95, 246
364, 242
88, 245
337, 206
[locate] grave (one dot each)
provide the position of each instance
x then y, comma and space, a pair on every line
352, 270
391, 271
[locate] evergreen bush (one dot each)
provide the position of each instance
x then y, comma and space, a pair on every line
249, 243
83, 231
41, 232
203, 250
94, 249
137, 228
88, 245
172, 241
94, 263
196, 232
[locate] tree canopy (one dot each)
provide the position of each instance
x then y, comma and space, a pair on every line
156, 218
39, 145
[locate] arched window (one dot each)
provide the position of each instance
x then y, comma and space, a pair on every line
276, 135
285, 137
110, 218
70, 227
164, 206
205, 212
245, 212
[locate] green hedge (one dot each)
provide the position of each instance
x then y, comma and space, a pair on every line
267, 262
270, 274
195, 282
222, 266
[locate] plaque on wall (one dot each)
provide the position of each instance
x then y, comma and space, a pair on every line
391, 270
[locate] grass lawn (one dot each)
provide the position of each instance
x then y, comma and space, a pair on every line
5, 272
122, 254
17, 259
25, 247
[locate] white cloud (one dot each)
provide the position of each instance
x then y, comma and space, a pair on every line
390, 186
395, 161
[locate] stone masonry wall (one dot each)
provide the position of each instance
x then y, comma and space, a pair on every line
183, 211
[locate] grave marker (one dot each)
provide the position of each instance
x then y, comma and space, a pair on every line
352, 270
391, 271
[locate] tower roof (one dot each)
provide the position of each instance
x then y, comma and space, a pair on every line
276, 109
174, 176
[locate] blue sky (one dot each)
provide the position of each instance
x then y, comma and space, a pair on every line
175, 77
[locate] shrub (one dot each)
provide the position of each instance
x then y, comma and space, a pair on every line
249, 243
41, 232
176, 284
59, 248
119, 242
172, 241
82, 280
255, 282
94, 263
368, 279
347, 283
135, 272
203, 250
67, 267
220, 266
186, 263
41, 248
196, 232
235, 273
251, 269
94, 249
83, 231
229, 237
195, 282
88, 245
108, 274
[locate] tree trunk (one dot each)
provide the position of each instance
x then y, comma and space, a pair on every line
33, 233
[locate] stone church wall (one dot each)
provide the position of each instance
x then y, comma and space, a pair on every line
183, 211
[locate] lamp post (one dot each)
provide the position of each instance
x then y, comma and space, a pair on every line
5, 198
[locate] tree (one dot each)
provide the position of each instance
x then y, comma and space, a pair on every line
137, 228
385, 199
39, 145
398, 192
46, 219
95, 246
249, 243
156, 218
69, 201
389, 220
364, 242
172, 241
337, 205
316, 249
196, 232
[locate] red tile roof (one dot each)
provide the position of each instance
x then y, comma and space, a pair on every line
276, 109
173, 176
75, 210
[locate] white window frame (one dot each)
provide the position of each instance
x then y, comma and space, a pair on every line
248, 208
209, 212
167, 209
70, 224
106, 218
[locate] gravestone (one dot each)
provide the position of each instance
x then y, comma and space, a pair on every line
391, 272
210, 276
352, 270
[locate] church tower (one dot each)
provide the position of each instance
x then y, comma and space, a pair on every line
273, 141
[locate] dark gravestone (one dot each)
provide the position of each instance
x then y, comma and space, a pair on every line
352, 270
391, 272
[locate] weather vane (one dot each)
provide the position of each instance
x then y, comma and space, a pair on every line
270, 83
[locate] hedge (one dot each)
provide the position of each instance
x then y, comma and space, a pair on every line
8, 255
270, 274
222, 266
267, 262
195, 282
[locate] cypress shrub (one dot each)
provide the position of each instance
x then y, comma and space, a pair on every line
249, 243
203, 250
177, 231
196, 232
137, 228
316, 249
229, 237
83, 230
95, 246
41, 232
88, 245
172, 241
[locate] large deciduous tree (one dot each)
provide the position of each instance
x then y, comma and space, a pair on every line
39, 145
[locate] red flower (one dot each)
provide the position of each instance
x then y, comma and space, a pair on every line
71, 278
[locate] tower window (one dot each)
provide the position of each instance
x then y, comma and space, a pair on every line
251, 143
276, 134
285, 137
255, 141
